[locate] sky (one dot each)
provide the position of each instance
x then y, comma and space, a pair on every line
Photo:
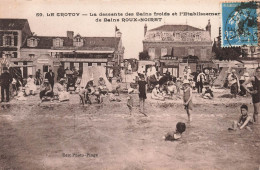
86, 25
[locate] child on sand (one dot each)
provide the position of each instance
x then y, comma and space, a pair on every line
142, 92
244, 120
187, 98
208, 94
180, 128
130, 101
82, 93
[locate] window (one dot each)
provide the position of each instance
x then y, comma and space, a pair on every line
58, 42
163, 52
32, 42
45, 68
178, 36
66, 65
31, 55
14, 55
29, 69
197, 38
8, 55
76, 65
7, 40
203, 53
191, 51
151, 53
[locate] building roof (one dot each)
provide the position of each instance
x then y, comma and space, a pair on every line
90, 43
176, 28
12, 24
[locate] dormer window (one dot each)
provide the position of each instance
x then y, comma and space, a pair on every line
78, 41
32, 42
58, 42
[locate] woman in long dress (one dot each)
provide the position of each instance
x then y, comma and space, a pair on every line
62, 93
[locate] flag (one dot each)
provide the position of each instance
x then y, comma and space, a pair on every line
116, 29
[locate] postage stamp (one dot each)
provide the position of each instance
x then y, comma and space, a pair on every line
239, 24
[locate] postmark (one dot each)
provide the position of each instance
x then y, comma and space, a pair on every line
239, 24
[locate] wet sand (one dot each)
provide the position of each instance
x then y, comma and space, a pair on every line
104, 136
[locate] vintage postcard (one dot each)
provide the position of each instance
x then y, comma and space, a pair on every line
121, 84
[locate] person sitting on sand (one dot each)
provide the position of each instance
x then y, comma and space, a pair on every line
244, 120
101, 83
171, 88
30, 87
46, 90
21, 94
90, 86
208, 94
175, 135
112, 97
156, 93
60, 90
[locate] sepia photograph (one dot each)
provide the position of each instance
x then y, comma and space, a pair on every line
131, 85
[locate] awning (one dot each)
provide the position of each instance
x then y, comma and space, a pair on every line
83, 51
86, 60
251, 64
28, 59
146, 62
228, 63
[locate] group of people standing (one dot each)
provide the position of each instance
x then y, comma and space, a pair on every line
255, 92
249, 85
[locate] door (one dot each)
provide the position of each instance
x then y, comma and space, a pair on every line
45, 69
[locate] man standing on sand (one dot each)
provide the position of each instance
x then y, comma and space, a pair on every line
50, 77
255, 92
60, 72
6, 80
200, 81
233, 82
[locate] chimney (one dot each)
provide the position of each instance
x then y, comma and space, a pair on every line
118, 34
208, 28
145, 29
70, 34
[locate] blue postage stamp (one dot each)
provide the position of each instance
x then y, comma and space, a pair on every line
239, 24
